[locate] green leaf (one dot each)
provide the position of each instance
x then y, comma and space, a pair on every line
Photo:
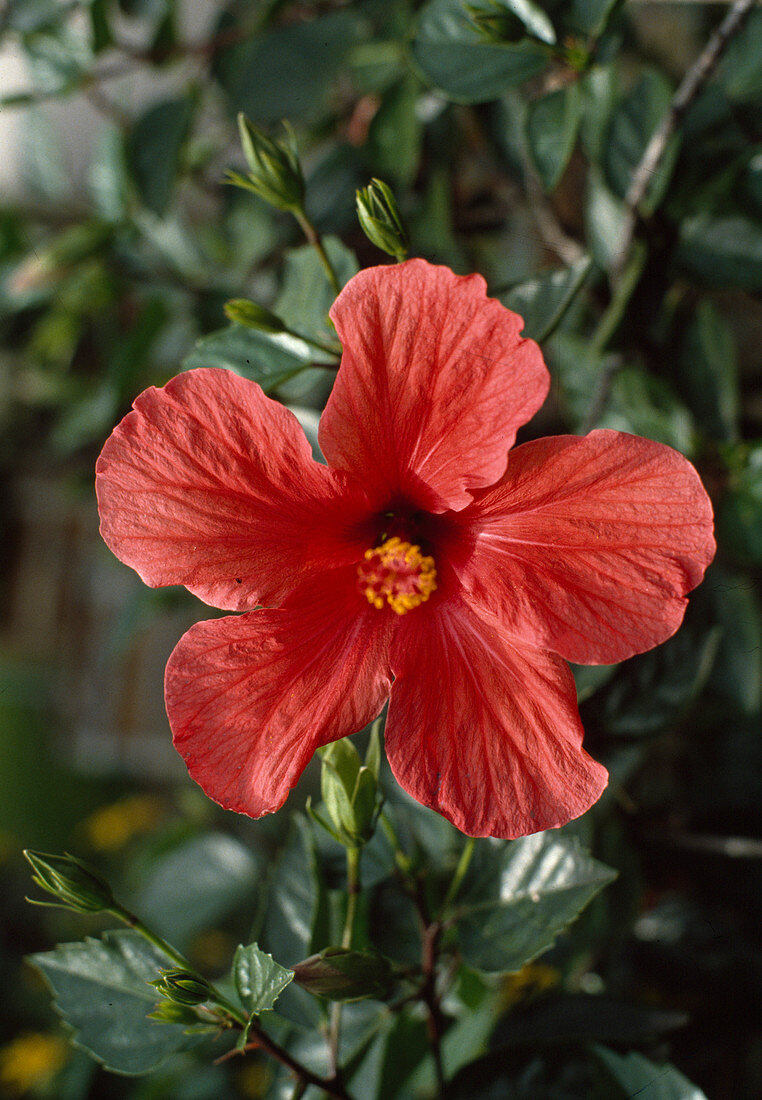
599, 88
723, 251
655, 688
154, 149
263, 357
25, 16
394, 137
592, 16
449, 52
519, 895
636, 1076
632, 126
643, 404
196, 883
288, 72
296, 919
306, 295
544, 300
108, 179
740, 71
531, 17
740, 513
551, 125
398, 1047
259, 980
708, 372
737, 670
604, 220
101, 991
589, 678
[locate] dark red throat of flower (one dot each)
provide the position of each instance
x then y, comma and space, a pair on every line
397, 574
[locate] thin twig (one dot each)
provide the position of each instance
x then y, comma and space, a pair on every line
262, 1041
691, 85
353, 892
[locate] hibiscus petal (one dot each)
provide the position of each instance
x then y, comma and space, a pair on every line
250, 697
210, 484
433, 384
485, 730
589, 545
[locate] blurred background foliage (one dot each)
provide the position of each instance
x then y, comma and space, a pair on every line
510, 134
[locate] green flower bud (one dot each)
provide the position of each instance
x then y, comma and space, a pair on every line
275, 173
169, 1012
380, 219
244, 312
350, 793
343, 975
182, 987
73, 883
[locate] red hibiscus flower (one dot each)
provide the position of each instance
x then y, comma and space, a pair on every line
422, 565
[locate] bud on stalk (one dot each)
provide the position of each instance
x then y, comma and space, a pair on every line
343, 975
380, 219
73, 883
252, 315
181, 987
274, 170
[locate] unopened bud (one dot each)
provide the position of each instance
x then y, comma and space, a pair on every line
350, 793
380, 219
244, 312
75, 885
169, 1012
182, 987
343, 975
275, 173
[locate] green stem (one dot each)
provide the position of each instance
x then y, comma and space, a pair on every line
179, 960
624, 289
401, 858
314, 239
460, 872
353, 892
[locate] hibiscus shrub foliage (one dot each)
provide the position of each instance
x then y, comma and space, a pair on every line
438, 324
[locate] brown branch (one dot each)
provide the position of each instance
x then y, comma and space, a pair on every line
262, 1041
691, 85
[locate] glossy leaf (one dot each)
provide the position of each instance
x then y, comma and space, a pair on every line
267, 359
655, 688
634, 122
450, 53
195, 884
740, 71
259, 979
544, 301
740, 512
723, 251
101, 990
154, 149
296, 919
637, 1076
306, 295
518, 896
288, 72
592, 16
737, 670
551, 124
708, 372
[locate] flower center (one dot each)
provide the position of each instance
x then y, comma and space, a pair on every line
396, 572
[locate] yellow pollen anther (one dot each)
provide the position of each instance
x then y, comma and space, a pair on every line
398, 574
